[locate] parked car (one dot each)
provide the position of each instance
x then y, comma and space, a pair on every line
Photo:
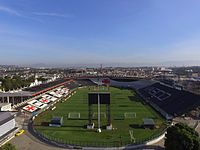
19, 132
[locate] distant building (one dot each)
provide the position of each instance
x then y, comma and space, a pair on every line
35, 83
7, 123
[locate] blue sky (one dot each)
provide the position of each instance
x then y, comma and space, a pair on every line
110, 32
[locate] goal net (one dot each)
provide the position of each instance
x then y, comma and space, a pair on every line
129, 115
74, 115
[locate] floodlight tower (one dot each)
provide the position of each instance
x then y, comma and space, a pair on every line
98, 105
99, 113
99, 98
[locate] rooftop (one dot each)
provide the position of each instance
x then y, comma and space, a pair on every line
148, 121
5, 117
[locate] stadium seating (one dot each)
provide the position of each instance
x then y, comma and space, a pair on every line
174, 102
42, 87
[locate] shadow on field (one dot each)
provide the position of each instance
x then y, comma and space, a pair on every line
45, 123
77, 119
70, 126
74, 126
134, 98
135, 126
123, 105
122, 118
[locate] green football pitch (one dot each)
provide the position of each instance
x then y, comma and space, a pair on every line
127, 114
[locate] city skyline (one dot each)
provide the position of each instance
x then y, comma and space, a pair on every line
118, 33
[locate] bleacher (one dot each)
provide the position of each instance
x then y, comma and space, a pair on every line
46, 86
85, 82
133, 84
172, 101
79, 83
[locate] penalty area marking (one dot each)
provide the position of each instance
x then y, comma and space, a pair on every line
131, 136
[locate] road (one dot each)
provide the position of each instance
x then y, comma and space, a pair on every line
28, 142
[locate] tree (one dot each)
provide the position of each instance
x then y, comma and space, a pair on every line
8, 146
15, 82
182, 137
31, 79
42, 79
7, 84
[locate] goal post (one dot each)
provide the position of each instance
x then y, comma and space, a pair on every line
129, 115
74, 115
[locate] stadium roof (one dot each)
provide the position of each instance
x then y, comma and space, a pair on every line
133, 84
47, 86
16, 94
5, 117
148, 121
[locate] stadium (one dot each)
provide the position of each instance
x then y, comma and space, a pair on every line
104, 112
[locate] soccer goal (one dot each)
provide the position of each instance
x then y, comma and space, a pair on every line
74, 115
129, 115
102, 115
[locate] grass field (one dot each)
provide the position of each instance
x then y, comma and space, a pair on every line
75, 132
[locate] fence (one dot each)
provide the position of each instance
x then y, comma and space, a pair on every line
77, 143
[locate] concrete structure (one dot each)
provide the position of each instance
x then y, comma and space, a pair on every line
15, 97
7, 123
18, 97
5, 107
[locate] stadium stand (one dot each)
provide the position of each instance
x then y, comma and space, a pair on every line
169, 101
133, 84
125, 79
18, 98
85, 82
167, 82
125, 84
47, 86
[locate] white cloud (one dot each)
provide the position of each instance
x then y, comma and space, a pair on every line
14, 12
9, 11
50, 14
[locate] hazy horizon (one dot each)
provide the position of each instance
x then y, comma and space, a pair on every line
114, 32
97, 65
